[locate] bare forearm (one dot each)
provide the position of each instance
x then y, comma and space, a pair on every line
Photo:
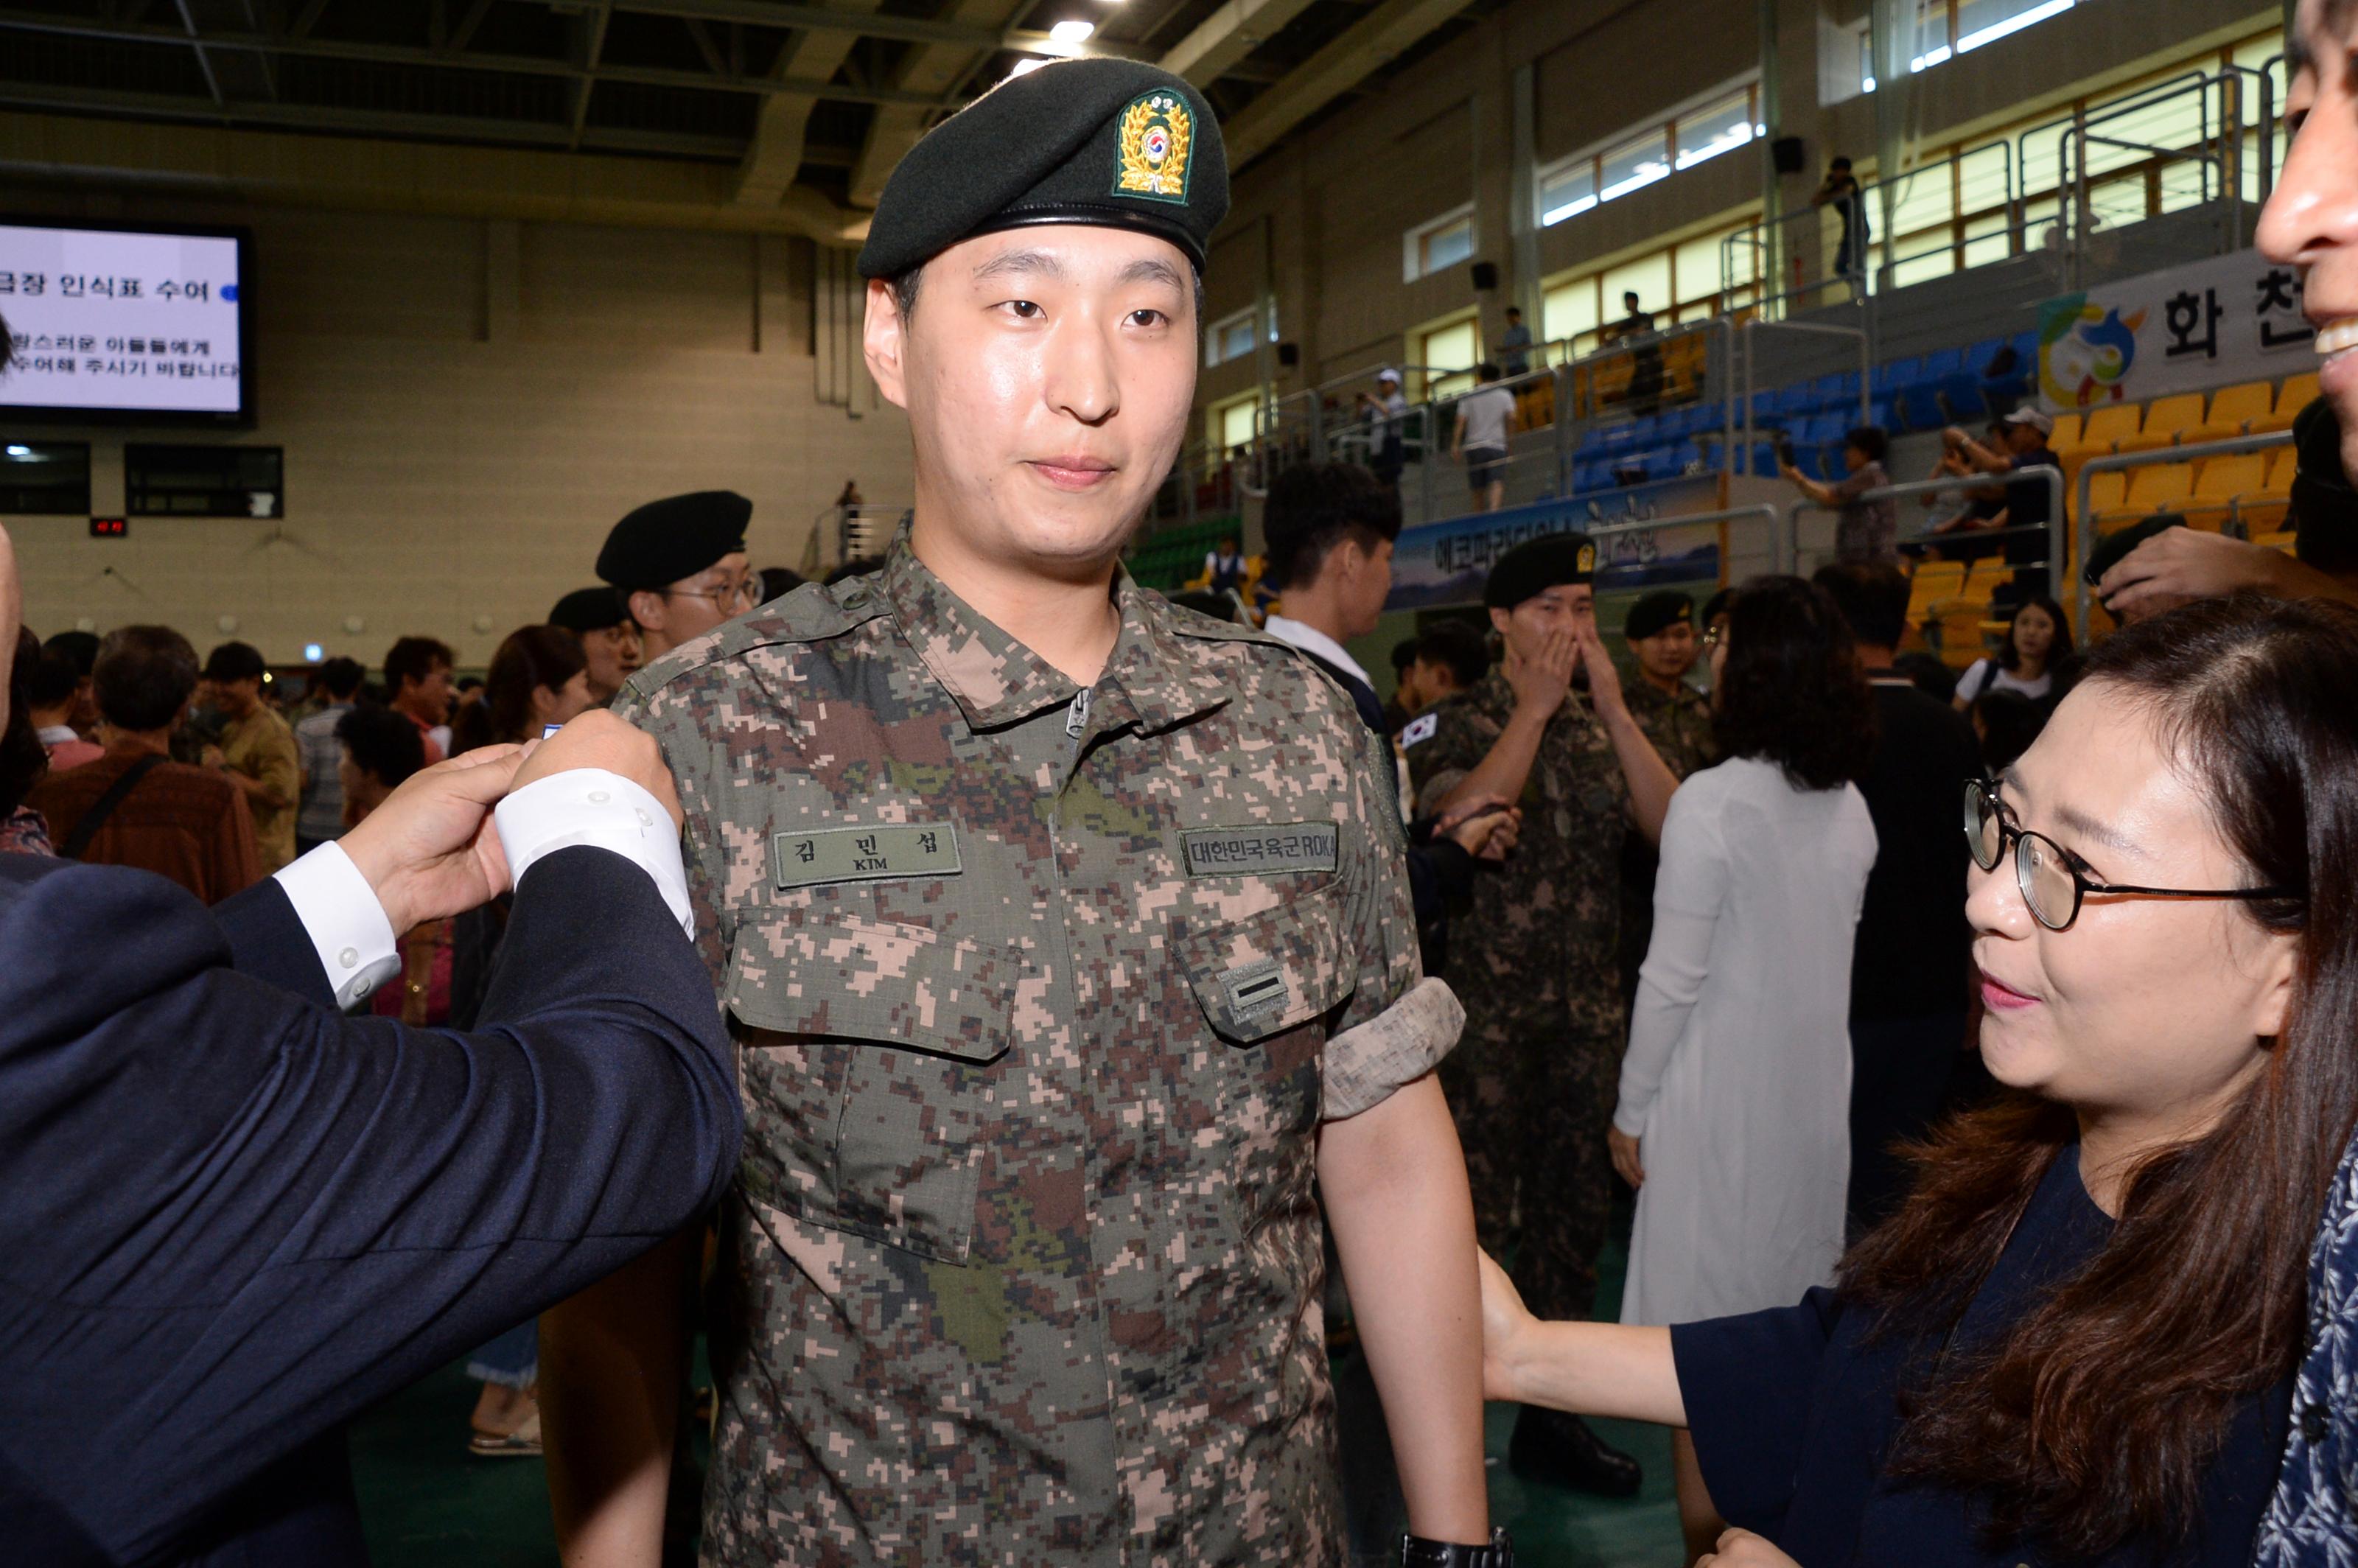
610, 1372
261, 790
1598, 1368
1394, 1183
1507, 768
1651, 782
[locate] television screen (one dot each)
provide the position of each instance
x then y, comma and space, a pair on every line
142, 326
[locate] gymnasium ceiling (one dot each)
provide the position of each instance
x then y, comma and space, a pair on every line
804, 103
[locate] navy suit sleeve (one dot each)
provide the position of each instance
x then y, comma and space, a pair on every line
232, 1218
266, 941
1750, 1384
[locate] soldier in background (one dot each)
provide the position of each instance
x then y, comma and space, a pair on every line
680, 567
1064, 939
1537, 957
610, 638
1676, 717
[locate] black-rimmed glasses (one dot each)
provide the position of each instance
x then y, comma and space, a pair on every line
2054, 881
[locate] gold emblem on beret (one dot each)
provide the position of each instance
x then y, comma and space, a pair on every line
1588, 558
1157, 138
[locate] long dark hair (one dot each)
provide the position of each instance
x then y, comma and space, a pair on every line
531, 657
2010, 657
1791, 692
2092, 1423
24, 761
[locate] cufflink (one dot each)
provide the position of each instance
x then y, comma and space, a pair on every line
349, 956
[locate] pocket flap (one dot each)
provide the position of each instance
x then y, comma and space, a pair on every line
1269, 971
838, 975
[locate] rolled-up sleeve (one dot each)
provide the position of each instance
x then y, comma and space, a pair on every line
1365, 1064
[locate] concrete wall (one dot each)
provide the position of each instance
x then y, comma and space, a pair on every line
1336, 199
466, 406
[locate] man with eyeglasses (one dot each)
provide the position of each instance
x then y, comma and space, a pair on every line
681, 566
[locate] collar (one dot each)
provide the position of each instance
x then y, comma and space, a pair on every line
1311, 639
54, 734
1149, 677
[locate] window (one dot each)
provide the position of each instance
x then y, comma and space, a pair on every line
1231, 337
1681, 282
1447, 356
1947, 28
45, 479
1229, 425
1568, 192
203, 481
1440, 244
1714, 129
1694, 131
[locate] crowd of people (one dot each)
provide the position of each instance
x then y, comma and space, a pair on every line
983, 988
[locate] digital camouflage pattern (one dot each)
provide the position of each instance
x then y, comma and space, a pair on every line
1679, 724
1537, 962
1026, 1264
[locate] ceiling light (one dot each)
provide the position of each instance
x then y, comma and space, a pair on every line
1072, 32
16, 451
1025, 67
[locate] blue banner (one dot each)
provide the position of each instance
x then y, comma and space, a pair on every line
1447, 563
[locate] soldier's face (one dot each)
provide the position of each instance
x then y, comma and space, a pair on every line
1047, 373
1569, 608
2311, 219
1668, 653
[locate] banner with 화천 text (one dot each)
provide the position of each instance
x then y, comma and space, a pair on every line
2206, 324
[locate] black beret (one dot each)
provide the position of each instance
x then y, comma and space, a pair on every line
1658, 611
586, 610
675, 537
1535, 566
1114, 143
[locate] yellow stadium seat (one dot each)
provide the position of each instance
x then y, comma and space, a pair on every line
2160, 487
2231, 408
2066, 432
2224, 480
1933, 581
2297, 394
2275, 541
2109, 491
2164, 419
2106, 427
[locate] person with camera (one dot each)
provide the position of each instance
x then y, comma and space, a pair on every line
1867, 531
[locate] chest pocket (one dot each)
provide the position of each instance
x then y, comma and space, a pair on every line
1265, 984
868, 1063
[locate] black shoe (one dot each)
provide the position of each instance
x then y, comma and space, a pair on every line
1550, 1445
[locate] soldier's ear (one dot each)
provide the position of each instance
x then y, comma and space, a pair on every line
1499, 619
884, 339
647, 608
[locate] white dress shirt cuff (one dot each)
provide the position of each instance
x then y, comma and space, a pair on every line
605, 811
341, 914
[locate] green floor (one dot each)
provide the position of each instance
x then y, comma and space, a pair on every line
429, 1504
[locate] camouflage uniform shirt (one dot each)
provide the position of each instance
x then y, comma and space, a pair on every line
1679, 725
1037, 994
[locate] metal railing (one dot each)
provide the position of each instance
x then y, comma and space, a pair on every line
840, 535
1788, 544
1749, 257
2155, 456
1741, 461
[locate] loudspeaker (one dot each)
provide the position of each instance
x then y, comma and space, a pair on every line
1790, 154
1289, 355
1485, 275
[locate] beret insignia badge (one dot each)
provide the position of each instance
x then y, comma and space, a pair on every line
1157, 139
1588, 557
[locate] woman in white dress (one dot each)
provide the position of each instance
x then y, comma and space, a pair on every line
1732, 1120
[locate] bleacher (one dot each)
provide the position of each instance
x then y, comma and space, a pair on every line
1948, 386
1169, 557
2243, 494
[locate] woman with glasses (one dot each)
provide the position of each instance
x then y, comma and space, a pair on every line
1734, 1114
2074, 1342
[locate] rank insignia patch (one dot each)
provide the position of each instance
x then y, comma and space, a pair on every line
1158, 134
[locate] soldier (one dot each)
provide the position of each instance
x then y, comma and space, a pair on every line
1537, 955
681, 567
1064, 939
610, 638
1660, 629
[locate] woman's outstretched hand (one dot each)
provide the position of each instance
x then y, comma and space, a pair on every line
1742, 1549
